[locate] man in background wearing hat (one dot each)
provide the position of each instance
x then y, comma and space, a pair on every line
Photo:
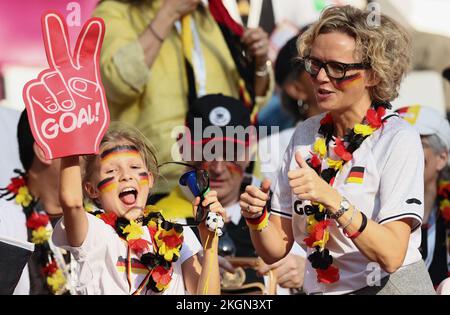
434, 130
220, 138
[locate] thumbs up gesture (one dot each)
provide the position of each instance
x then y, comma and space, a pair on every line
254, 199
307, 185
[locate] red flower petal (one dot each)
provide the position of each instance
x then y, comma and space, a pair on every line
139, 245
36, 220
373, 119
315, 161
329, 275
332, 181
109, 218
50, 268
15, 184
161, 274
328, 119
444, 191
172, 241
341, 151
446, 213
317, 232
381, 111
165, 279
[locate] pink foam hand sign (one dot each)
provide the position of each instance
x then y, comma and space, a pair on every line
66, 104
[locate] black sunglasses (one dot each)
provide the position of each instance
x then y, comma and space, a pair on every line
198, 182
335, 70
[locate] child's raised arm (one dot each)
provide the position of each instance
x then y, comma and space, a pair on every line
204, 278
71, 199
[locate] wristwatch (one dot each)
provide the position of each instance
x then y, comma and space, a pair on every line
343, 207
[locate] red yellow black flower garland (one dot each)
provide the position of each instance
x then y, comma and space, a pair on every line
37, 223
443, 200
167, 240
317, 222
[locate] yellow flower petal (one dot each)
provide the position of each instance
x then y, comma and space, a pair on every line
150, 209
23, 196
40, 235
89, 207
322, 242
320, 147
56, 281
364, 130
335, 164
311, 221
445, 203
134, 231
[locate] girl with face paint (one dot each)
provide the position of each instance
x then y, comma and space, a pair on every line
135, 249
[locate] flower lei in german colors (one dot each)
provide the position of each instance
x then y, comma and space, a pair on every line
443, 200
317, 220
37, 223
167, 239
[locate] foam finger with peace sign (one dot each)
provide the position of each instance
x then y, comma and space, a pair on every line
66, 104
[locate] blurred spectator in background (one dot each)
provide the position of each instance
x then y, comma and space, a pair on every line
8, 142
282, 20
297, 99
159, 55
229, 179
430, 51
434, 130
36, 194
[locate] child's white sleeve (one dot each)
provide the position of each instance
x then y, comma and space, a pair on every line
191, 245
99, 233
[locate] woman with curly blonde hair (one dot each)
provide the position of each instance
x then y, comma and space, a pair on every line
351, 186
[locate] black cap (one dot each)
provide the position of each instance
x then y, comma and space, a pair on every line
218, 112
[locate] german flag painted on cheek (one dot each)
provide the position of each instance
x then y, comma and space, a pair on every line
143, 178
106, 185
356, 175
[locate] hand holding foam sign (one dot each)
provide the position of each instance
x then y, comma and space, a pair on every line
66, 104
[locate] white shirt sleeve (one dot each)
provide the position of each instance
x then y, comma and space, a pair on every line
282, 196
97, 238
401, 179
191, 245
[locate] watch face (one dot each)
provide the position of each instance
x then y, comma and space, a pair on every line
345, 204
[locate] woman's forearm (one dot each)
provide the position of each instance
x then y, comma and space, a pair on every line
152, 38
270, 243
71, 199
385, 244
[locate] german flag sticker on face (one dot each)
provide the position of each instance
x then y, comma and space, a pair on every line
356, 175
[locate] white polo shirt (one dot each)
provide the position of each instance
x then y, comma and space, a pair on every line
389, 165
101, 260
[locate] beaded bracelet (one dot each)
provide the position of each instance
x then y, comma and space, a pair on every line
351, 219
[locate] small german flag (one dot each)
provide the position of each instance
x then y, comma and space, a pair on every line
356, 175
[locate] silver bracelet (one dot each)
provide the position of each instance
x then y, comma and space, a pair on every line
264, 71
351, 219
